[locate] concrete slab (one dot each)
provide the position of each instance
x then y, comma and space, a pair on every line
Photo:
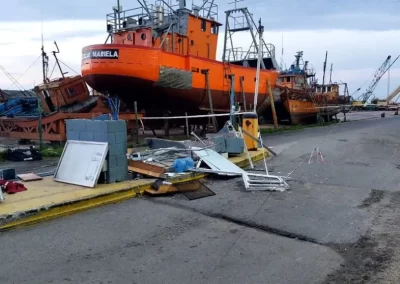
315, 213
362, 154
362, 115
142, 242
46, 199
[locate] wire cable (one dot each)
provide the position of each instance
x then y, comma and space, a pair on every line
324, 138
54, 67
25, 71
68, 67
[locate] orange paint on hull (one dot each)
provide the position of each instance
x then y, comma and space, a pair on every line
301, 111
135, 76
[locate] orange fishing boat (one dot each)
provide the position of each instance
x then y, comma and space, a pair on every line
304, 100
164, 58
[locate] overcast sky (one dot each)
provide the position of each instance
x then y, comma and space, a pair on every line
358, 34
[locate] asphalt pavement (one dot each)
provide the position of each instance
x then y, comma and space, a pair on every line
336, 224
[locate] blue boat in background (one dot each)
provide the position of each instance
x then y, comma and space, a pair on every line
15, 103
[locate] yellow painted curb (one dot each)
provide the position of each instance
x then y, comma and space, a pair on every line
71, 207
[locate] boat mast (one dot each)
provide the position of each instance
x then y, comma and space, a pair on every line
323, 86
119, 15
323, 77
260, 33
58, 63
45, 59
240, 20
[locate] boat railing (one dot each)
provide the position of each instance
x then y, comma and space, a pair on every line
154, 15
166, 8
207, 10
151, 15
237, 53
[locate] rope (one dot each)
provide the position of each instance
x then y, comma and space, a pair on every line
69, 67
54, 67
12, 79
25, 71
195, 116
316, 148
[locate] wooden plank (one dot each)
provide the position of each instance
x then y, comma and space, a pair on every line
146, 168
162, 189
29, 177
188, 186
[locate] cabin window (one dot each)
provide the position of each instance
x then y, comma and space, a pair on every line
329, 89
288, 79
214, 28
75, 90
203, 25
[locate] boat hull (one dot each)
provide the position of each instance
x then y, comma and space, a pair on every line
158, 79
301, 109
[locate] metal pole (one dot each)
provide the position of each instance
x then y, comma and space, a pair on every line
166, 124
260, 32
40, 125
137, 123
214, 120
198, 138
323, 87
225, 35
246, 150
246, 14
187, 125
232, 99
265, 161
119, 15
344, 102
271, 98
388, 85
243, 94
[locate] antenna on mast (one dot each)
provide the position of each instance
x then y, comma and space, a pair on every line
330, 74
282, 55
45, 58
388, 85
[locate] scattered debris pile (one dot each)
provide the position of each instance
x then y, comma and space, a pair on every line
167, 159
19, 155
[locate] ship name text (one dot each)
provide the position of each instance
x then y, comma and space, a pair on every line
100, 54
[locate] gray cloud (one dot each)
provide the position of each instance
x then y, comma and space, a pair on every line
277, 15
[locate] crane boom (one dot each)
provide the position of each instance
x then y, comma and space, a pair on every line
392, 95
377, 77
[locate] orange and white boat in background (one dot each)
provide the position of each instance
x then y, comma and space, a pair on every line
302, 99
158, 56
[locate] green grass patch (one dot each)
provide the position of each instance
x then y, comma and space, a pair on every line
2, 156
134, 144
52, 151
295, 127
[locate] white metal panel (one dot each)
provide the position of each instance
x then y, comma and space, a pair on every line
217, 162
81, 162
